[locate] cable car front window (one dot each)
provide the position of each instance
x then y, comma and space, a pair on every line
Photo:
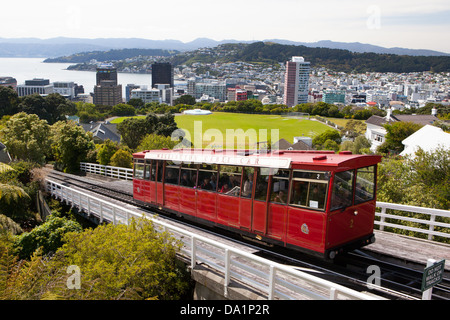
342, 193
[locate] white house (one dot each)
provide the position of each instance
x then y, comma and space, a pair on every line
376, 132
428, 138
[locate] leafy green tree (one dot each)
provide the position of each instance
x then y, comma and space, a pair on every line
9, 225
331, 145
132, 131
58, 107
122, 158
396, 133
106, 151
123, 109
154, 142
9, 101
70, 145
320, 139
124, 262
136, 102
361, 145
13, 201
27, 137
48, 236
185, 99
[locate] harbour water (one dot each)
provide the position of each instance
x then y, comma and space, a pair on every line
29, 68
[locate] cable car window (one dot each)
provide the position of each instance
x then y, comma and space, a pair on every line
207, 177
147, 169
188, 175
139, 169
365, 184
230, 180
342, 193
247, 183
171, 173
279, 187
262, 183
160, 170
309, 189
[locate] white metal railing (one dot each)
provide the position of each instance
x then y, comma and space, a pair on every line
430, 213
276, 280
109, 171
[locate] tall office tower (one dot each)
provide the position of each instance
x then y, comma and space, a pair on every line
162, 73
296, 82
107, 92
106, 72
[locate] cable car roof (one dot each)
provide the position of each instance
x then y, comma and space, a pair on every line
281, 159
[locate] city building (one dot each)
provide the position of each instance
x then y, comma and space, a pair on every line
107, 92
145, 94
66, 89
128, 90
40, 86
296, 83
8, 82
214, 89
333, 96
162, 73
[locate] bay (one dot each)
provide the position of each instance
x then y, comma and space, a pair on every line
29, 68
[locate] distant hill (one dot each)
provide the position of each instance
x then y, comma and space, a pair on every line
343, 60
111, 55
272, 53
56, 47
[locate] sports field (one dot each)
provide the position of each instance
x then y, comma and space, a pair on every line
243, 128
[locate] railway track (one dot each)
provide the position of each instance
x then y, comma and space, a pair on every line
395, 281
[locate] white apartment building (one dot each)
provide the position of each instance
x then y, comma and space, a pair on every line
66, 89
146, 95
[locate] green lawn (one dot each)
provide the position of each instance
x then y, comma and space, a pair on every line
214, 128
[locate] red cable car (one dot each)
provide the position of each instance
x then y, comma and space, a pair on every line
314, 201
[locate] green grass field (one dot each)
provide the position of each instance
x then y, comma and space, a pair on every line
259, 128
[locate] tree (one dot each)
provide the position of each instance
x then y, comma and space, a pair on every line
106, 151
48, 236
122, 158
320, 139
123, 109
185, 99
154, 142
125, 262
58, 107
132, 131
13, 201
9, 101
396, 133
27, 137
70, 145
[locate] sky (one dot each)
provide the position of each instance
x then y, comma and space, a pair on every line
410, 24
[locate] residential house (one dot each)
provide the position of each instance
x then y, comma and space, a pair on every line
102, 131
428, 138
376, 132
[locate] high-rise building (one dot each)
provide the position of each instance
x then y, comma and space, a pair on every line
107, 92
162, 73
296, 81
106, 72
